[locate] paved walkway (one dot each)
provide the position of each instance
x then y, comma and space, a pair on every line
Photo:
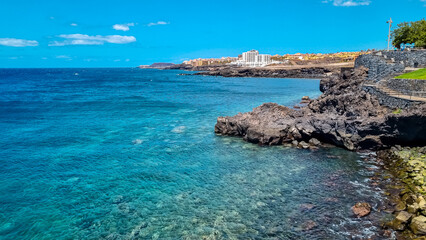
395, 94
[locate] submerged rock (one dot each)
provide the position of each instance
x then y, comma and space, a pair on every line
361, 209
306, 206
309, 225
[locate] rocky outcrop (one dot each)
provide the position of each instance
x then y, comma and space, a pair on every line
158, 66
345, 115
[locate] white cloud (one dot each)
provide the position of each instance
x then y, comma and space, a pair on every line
423, 1
157, 23
74, 24
348, 3
82, 39
75, 42
123, 27
13, 42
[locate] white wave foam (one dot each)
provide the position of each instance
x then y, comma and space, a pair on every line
137, 141
179, 129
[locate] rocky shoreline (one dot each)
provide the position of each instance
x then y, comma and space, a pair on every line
407, 166
344, 115
309, 72
348, 116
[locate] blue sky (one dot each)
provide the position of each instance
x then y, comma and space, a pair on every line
126, 33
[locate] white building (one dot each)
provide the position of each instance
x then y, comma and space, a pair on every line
250, 56
264, 59
254, 59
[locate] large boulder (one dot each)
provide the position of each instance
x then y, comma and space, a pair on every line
400, 221
418, 225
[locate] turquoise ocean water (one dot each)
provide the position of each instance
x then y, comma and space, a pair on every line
132, 154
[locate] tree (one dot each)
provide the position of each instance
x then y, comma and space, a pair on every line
409, 33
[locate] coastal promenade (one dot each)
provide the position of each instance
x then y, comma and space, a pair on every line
395, 94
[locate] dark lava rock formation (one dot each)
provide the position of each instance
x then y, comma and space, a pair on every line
313, 72
344, 115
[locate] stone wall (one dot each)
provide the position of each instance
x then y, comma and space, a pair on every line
408, 86
385, 64
388, 101
415, 59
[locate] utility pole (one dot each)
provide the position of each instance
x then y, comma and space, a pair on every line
389, 36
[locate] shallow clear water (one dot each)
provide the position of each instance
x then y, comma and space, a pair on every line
131, 154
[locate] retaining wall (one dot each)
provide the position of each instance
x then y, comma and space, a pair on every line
408, 86
389, 101
384, 64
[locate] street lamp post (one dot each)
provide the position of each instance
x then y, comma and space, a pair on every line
389, 35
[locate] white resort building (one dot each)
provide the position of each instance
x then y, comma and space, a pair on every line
253, 59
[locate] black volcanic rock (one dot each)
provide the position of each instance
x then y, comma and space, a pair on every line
344, 115
314, 72
180, 67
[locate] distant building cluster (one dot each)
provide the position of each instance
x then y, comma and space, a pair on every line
335, 57
210, 61
254, 59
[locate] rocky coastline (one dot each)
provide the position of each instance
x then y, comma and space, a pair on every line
350, 116
345, 116
309, 72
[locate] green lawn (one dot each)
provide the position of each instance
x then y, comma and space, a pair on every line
419, 74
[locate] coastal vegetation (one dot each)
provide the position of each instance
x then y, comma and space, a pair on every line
419, 75
397, 111
410, 33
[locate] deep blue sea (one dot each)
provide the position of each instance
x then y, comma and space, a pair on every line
132, 154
